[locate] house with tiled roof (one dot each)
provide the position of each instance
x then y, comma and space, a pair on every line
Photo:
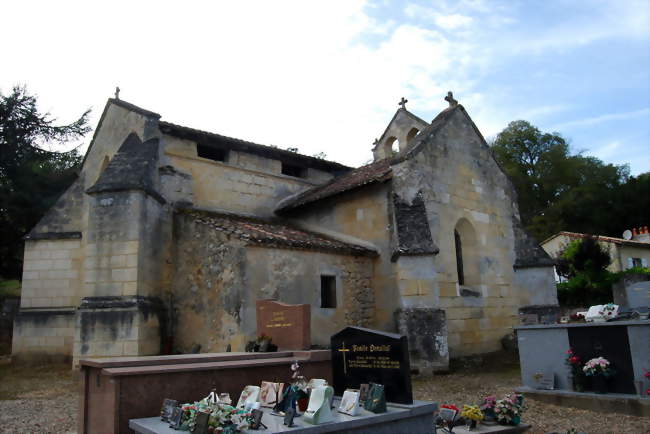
625, 253
170, 234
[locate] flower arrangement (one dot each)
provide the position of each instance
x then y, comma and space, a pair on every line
222, 417
472, 412
608, 311
574, 363
487, 407
577, 317
509, 409
598, 366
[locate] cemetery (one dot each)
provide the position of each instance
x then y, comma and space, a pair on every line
362, 383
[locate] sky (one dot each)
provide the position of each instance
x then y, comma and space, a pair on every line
327, 76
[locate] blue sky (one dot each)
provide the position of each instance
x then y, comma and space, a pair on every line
327, 76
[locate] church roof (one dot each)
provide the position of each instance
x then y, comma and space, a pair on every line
225, 142
274, 233
378, 171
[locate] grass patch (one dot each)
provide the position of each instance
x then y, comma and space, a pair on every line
9, 288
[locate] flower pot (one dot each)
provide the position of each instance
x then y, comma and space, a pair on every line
471, 425
599, 383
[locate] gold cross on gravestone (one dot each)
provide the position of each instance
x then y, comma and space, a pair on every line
344, 350
403, 102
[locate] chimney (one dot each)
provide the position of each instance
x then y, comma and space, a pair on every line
641, 234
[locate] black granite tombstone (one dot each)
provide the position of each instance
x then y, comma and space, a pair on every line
361, 355
610, 342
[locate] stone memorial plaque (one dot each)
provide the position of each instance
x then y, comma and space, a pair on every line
361, 356
288, 325
175, 418
167, 408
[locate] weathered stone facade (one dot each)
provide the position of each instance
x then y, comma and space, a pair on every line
170, 234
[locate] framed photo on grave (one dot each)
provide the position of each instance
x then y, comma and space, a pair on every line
363, 356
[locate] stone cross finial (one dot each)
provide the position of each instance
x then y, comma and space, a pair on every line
117, 92
403, 102
450, 99
375, 142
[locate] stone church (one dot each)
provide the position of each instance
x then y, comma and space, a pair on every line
170, 234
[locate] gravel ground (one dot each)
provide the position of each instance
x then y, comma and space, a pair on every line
469, 387
38, 399
45, 400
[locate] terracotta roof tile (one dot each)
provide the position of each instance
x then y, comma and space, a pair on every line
375, 172
275, 233
612, 240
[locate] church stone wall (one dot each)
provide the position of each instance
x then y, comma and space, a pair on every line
362, 215
294, 276
217, 280
464, 189
245, 183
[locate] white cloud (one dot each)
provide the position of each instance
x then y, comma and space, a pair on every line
587, 122
291, 73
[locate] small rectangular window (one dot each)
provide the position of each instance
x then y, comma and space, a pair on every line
636, 262
327, 291
292, 170
214, 154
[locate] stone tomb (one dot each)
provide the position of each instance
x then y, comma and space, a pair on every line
288, 325
361, 355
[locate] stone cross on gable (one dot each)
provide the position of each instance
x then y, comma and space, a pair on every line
450, 99
117, 92
403, 102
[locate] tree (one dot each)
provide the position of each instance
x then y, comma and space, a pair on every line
556, 190
31, 177
584, 263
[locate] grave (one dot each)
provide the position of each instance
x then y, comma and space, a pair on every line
361, 355
114, 390
400, 418
288, 325
542, 349
632, 291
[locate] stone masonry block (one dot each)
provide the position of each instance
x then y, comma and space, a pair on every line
124, 274
61, 254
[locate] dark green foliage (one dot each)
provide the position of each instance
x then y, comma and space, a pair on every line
558, 191
31, 178
584, 263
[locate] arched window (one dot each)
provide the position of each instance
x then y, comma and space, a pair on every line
459, 258
392, 145
467, 255
414, 132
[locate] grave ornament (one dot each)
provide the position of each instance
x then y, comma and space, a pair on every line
319, 409
350, 402
167, 409
250, 394
376, 399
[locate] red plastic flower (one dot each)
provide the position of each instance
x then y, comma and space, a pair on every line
574, 360
450, 406
647, 374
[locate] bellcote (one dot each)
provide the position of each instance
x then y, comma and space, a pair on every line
400, 131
